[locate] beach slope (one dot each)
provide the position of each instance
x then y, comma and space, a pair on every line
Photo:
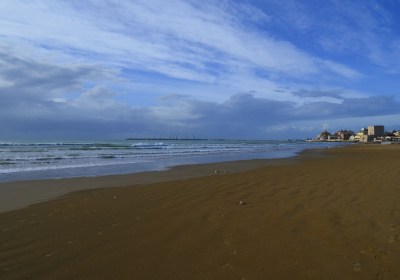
332, 217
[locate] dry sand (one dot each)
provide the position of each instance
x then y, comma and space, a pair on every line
331, 217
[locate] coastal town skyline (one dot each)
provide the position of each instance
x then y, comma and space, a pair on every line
220, 69
372, 133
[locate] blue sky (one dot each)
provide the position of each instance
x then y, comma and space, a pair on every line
217, 69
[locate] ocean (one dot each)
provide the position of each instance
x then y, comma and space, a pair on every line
34, 159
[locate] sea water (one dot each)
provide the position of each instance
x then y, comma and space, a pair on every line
34, 159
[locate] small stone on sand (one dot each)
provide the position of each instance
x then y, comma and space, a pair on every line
356, 267
241, 203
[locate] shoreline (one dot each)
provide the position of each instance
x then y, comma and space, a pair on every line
19, 194
112, 158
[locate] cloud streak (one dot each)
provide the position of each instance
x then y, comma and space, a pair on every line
177, 38
316, 93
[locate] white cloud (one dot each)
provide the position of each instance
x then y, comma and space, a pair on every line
211, 43
100, 92
168, 99
342, 70
326, 126
306, 128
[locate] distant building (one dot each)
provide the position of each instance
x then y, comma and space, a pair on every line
376, 130
324, 136
366, 138
391, 133
333, 138
345, 136
362, 132
342, 134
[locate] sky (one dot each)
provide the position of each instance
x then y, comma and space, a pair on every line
270, 69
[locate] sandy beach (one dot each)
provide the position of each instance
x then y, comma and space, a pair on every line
326, 214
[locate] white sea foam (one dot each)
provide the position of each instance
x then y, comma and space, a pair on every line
148, 145
68, 166
45, 144
23, 156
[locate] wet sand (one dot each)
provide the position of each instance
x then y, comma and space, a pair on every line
335, 215
19, 194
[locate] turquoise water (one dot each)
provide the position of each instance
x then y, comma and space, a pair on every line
40, 159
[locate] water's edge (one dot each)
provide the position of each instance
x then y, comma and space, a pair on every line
158, 163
